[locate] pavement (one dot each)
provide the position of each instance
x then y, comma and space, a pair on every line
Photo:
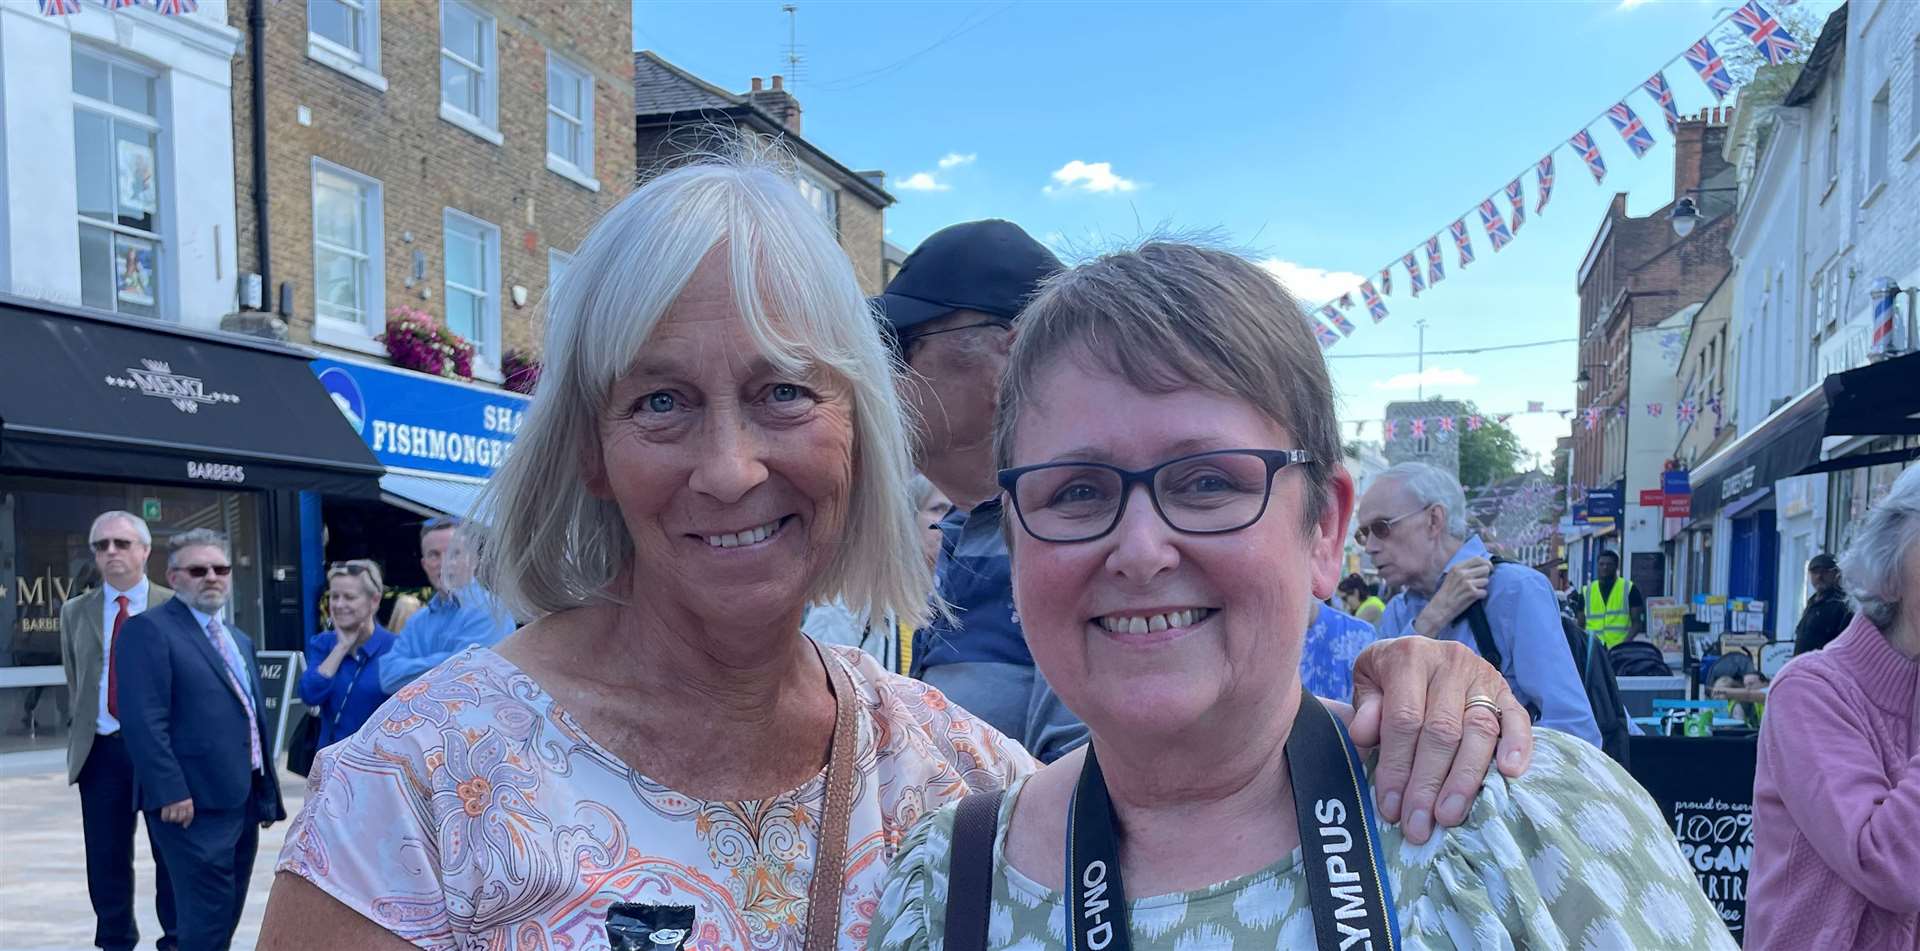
43, 869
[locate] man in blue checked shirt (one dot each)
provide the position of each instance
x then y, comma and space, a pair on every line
462, 614
1413, 525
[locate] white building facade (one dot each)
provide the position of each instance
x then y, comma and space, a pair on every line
116, 160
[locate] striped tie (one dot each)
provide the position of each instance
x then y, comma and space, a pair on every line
235, 676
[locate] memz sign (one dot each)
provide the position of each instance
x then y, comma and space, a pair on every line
419, 423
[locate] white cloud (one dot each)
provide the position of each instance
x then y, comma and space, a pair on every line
954, 159
1095, 177
1436, 376
1311, 285
921, 182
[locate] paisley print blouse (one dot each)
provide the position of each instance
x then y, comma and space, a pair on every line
471, 811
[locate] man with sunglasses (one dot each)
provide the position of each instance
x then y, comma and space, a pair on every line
950, 314
202, 755
97, 761
1413, 527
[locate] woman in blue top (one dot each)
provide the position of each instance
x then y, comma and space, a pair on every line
342, 682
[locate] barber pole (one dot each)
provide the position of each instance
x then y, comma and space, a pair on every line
1886, 313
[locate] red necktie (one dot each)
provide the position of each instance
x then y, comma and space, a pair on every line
113, 669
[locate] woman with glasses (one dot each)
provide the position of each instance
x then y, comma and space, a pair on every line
1170, 453
717, 442
342, 681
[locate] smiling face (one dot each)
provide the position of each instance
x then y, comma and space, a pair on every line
1148, 631
349, 602
732, 478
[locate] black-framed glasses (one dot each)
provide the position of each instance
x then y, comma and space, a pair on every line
200, 571
1207, 493
349, 568
117, 544
906, 342
1382, 528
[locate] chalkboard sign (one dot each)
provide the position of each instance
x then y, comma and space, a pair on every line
279, 674
1704, 788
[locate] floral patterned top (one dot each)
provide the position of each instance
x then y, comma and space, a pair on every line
471, 811
1573, 856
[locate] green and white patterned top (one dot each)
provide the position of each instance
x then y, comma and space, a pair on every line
1572, 855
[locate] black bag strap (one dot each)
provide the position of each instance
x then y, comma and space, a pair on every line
1476, 615
970, 875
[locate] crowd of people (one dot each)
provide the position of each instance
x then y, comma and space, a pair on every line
1051, 531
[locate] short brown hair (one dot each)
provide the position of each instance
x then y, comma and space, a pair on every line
1167, 316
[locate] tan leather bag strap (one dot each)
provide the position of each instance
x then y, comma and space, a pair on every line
830, 862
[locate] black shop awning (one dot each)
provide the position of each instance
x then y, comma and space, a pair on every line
88, 394
1784, 443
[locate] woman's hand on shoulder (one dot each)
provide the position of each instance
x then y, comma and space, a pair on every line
1410, 701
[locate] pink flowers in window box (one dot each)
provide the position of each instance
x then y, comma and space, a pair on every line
419, 341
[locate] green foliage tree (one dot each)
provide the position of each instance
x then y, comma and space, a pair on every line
1488, 454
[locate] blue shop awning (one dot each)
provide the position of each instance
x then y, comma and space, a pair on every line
428, 496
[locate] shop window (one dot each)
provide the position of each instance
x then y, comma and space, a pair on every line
116, 135
349, 283
570, 121
469, 70
1879, 141
43, 541
345, 35
473, 282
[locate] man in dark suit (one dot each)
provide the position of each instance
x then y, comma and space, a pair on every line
202, 765
90, 628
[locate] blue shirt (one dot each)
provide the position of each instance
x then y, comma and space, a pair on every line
974, 575
1334, 640
1525, 620
452, 622
345, 700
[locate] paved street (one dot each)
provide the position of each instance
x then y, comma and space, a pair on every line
43, 875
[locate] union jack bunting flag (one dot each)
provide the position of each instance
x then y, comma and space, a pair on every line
1545, 172
1473, 422
122, 4
1462, 240
1620, 411
1388, 430
1502, 418
1375, 306
1413, 272
1712, 69
1768, 35
1327, 337
1435, 273
1386, 279
1420, 428
172, 8
1518, 199
1631, 129
1714, 404
1338, 320
1655, 409
1593, 416
58, 8
1686, 411
1583, 143
1446, 424
1656, 86
1536, 406
1496, 228
1346, 301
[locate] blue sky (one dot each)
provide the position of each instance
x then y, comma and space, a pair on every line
1321, 137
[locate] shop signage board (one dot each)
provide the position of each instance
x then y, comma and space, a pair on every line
1676, 506
279, 675
1703, 787
416, 422
1603, 505
1674, 482
1652, 498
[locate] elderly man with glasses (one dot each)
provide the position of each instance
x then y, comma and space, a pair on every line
1413, 526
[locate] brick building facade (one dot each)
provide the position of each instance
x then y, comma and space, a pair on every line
1637, 273
453, 152
677, 115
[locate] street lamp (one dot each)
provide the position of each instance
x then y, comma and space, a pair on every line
1684, 216
1585, 379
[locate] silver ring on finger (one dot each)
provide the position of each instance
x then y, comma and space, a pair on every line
1484, 702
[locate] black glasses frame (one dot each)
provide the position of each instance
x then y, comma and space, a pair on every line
200, 571
906, 342
122, 544
1276, 460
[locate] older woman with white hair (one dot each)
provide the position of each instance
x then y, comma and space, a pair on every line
1836, 797
716, 443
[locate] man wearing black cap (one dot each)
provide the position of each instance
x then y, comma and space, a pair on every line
1827, 612
951, 312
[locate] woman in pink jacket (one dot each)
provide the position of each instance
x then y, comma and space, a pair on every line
1836, 859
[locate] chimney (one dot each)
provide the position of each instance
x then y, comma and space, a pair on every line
777, 102
1698, 151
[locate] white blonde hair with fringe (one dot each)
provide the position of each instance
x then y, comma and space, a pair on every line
551, 544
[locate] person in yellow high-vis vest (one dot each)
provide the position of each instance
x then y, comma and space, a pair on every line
1615, 609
